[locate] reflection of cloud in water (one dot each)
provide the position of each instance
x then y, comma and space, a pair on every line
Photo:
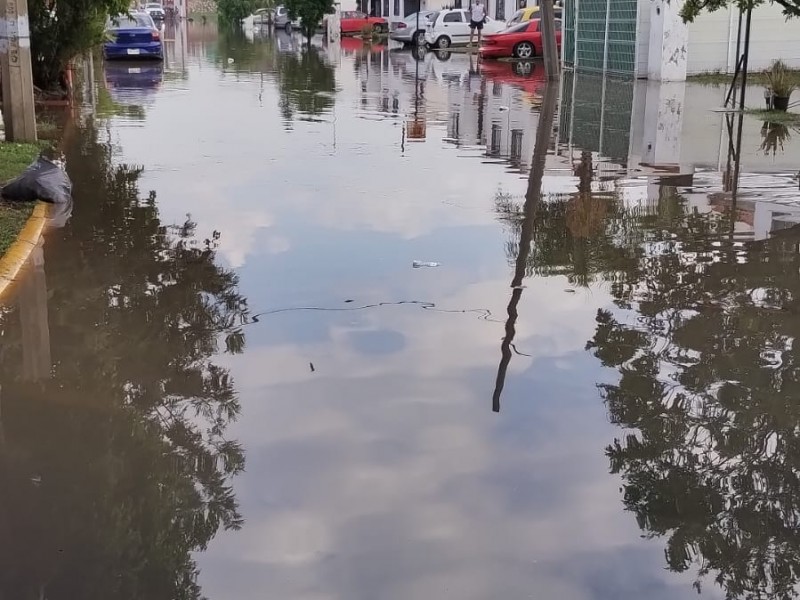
385, 476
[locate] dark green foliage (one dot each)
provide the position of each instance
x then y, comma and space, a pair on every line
310, 13
231, 12
60, 31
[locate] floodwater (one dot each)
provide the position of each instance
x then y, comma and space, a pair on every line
223, 377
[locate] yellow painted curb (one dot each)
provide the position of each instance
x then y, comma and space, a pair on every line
14, 258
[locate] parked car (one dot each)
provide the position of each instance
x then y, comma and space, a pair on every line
520, 41
353, 21
260, 17
155, 10
406, 31
531, 12
450, 27
133, 36
282, 18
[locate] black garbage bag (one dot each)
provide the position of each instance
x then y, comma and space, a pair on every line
43, 180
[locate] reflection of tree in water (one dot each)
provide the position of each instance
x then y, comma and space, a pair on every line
306, 84
117, 468
708, 389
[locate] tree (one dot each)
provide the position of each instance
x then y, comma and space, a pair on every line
60, 31
231, 12
310, 13
117, 468
692, 8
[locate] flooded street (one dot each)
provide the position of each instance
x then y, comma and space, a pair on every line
224, 377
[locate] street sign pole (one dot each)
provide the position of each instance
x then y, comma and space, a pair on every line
19, 114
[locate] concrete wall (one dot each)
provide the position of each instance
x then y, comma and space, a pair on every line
712, 40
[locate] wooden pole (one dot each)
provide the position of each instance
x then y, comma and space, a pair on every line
549, 47
19, 114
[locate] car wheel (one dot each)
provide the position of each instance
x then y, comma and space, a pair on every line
419, 38
377, 28
524, 50
443, 42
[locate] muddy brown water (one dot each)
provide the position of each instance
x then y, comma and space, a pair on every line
223, 377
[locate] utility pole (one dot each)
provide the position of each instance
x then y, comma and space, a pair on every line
533, 199
19, 114
549, 47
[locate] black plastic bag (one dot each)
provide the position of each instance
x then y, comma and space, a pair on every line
43, 180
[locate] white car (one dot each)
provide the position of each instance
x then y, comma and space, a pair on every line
282, 19
451, 27
155, 10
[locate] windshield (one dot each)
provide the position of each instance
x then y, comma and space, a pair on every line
153, 6
412, 18
432, 17
130, 22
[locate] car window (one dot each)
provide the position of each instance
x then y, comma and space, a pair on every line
359, 15
452, 17
519, 27
128, 22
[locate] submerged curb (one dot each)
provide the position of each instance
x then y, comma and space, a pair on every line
14, 258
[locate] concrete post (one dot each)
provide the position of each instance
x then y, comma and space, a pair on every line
15, 70
669, 39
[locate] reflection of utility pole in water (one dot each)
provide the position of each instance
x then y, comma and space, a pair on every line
15, 71
32, 302
533, 196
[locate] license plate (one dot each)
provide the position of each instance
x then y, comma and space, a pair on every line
133, 51
134, 71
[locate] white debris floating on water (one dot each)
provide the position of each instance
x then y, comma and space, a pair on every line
421, 263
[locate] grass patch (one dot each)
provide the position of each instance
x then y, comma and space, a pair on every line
14, 158
12, 219
754, 78
775, 116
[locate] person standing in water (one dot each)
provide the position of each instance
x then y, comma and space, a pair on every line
477, 16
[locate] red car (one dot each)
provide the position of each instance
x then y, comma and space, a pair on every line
520, 41
354, 22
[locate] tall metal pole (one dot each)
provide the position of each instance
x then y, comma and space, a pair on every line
19, 114
549, 47
745, 56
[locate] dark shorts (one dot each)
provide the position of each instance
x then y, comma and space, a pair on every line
476, 25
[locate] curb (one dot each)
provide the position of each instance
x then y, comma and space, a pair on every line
17, 254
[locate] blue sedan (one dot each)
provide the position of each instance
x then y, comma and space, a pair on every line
133, 36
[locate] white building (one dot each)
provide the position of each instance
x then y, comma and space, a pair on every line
647, 39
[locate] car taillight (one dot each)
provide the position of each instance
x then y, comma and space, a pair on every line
156, 35
489, 42
401, 25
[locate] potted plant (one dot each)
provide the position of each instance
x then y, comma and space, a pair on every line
781, 85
